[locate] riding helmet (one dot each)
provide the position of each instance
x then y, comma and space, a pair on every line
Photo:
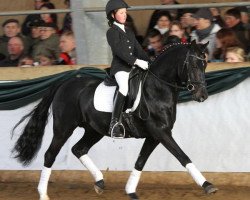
114, 5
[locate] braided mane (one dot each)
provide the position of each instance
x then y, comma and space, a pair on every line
169, 47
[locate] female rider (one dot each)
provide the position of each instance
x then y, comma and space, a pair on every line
127, 52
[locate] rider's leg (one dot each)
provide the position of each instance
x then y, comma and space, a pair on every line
116, 129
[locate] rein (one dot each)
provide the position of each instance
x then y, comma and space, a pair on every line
167, 83
189, 85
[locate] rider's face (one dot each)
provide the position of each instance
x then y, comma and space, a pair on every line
121, 15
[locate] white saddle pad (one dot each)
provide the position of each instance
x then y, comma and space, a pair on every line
104, 96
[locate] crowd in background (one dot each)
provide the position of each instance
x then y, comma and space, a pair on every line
228, 34
39, 41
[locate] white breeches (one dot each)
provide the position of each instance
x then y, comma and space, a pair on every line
122, 78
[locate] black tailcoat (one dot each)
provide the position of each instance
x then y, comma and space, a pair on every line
125, 49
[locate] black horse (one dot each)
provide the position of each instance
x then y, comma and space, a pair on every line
177, 66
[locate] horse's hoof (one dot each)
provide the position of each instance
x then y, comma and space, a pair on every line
99, 186
133, 196
44, 197
209, 188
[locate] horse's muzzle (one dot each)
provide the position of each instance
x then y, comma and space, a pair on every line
200, 95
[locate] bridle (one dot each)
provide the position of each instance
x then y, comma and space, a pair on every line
190, 84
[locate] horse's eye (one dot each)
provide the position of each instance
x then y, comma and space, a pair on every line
203, 56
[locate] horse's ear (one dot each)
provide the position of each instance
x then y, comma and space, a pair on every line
204, 46
193, 44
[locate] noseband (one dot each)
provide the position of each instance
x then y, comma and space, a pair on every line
191, 83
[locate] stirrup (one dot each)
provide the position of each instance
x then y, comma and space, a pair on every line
120, 136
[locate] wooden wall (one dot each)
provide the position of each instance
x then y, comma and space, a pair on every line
26, 73
141, 18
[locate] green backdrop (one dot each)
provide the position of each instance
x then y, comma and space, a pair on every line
14, 95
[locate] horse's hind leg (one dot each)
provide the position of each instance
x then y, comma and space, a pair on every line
174, 148
147, 148
80, 150
61, 134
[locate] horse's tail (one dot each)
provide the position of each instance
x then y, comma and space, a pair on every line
29, 142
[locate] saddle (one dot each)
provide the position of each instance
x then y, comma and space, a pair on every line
136, 77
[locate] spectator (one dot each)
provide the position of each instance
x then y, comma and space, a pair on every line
175, 14
67, 20
15, 51
177, 29
32, 17
26, 61
205, 30
244, 16
245, 20
217, 19
225, 38
47, 17
11, 28
68, 51
35, 34
46, 59
235, 54
188, 22
163, 21
155, 42
233, 21
49, 42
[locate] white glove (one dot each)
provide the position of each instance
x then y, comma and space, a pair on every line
142, 64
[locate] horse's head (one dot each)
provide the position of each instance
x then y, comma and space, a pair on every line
195, 63
188, 68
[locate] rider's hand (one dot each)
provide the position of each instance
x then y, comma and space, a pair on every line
142, 64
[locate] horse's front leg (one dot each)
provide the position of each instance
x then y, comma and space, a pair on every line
147, 148
173, 147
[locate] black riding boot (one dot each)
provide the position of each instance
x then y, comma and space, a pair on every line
116, 129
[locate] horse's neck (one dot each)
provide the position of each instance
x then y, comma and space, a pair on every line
159, 89
170, 64
166, 72
165, 69
158, 98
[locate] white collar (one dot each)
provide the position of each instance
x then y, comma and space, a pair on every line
121, 26
162, 30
